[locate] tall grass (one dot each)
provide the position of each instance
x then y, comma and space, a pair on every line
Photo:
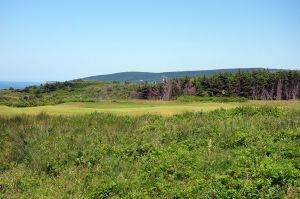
239, 153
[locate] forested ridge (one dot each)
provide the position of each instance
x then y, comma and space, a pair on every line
265, 85
157, 77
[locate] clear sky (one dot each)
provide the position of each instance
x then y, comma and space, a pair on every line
61, 40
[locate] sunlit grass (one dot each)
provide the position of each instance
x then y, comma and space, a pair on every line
138, 107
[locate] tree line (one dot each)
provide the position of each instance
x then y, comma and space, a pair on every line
264, 85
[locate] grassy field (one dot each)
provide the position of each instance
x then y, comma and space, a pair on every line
99, 150
138, 107
244, 152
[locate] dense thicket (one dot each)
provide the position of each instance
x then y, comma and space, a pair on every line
266, 85
239, 153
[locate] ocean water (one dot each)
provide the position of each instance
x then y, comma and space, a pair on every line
17, 85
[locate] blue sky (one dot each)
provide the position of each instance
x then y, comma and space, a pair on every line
62, 40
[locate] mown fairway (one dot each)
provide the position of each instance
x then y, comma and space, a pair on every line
119, 107
138, 107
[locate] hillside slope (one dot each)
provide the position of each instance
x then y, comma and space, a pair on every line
156, 77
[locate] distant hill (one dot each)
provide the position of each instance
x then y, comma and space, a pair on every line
151, 77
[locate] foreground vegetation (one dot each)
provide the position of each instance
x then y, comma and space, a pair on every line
246, 152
